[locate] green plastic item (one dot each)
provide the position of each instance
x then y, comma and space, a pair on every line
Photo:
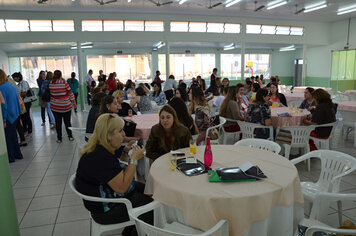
214, 177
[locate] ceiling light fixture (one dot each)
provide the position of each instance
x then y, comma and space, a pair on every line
346, 10
315, 7
83, 45
182, 1
231, 2
159, 45
128, 0
275, 4
229, 47
289, 48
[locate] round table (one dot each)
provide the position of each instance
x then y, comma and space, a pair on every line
304, 87
144, 124
272, 205
294, 96
296, 118
348, 106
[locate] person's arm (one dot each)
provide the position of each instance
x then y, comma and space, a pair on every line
308, 122
162, 99
152, 147
121, 182
266, 115
2, 100
134, 101
283, 99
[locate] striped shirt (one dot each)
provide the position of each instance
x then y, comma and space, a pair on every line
61, 96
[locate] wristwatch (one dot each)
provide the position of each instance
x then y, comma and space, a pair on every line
133, 161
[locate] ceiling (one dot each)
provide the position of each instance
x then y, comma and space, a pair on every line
23, 47
245, 8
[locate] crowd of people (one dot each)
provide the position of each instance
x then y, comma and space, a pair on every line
184, 112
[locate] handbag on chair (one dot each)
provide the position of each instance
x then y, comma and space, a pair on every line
130, 128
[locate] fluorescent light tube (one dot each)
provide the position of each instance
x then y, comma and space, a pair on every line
229, 47
232, 3
182, 1
87, 46
314, 8
286, 49
346, 10
276, 4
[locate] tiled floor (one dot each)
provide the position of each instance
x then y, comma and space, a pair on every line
46, 205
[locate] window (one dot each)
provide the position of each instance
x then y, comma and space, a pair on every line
215, 27
2, 26
17, 25
296, 30
156, 26
268, 29
261, 64
63, 25
283, 30
92, 25
41, 25
113, 25
232, 28
179, 26
253, 29
231, 66
131, 25
197, 26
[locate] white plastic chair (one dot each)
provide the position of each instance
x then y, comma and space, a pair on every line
235, 136
163, 228
218, 127
320, 211
310, 231
348, 120
325, 143
262, 144
300, 139
334, 165
79, 135
96, 228
247, 129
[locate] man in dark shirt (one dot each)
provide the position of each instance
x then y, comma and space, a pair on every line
101, 77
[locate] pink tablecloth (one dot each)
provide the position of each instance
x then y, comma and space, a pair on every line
350, 92
294, 120
304, 87
144, 124
348, 106
294, 96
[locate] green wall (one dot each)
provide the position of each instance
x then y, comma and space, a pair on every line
317, 81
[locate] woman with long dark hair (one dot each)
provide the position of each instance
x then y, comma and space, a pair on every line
62, 103
183, 115
275, 97
158, 95
169, 134
230, 108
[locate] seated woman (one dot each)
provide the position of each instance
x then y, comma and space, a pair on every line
169, 134
181, 93
123, 106
213, 89
275, 97
230, 108
94, 111
258, 112
130, 89
100, 174
158, 95
324, 113
244, 102
142, 100
225, 84
183, 114
255, 88
201, 109
308, 102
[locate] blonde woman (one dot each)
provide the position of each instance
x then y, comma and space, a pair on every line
100, 174
123, 106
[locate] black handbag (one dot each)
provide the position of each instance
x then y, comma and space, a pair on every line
130, 128
46, 95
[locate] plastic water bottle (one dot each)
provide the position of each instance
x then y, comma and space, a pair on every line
208, 155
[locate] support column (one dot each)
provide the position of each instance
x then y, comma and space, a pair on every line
304, 69
218, 62
8, 216
168, 72
242, 61
83, 85
154, 64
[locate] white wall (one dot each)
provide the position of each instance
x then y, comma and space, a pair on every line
282, 63
4, 61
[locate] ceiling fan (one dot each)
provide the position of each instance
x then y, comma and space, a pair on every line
215, 5
103, 3
42, 1
258, 8
158, 4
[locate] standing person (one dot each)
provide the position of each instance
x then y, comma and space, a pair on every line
157, 95
112, 87
89, 79
101, 77
62, 102
74, 85
24, 87
44, 87
157, 79
214, 74
169, 86
10, 112
41, 102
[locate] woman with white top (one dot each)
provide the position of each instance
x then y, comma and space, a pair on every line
168, 86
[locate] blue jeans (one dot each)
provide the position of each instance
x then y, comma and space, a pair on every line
12, 143
50, 114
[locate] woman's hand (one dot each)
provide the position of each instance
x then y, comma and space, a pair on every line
311, 108
138, 152
128, 146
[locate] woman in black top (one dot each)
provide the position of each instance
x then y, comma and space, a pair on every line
214, 89
324, 113
123, 106
100, 174
308, 102
94, 112
183, 115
